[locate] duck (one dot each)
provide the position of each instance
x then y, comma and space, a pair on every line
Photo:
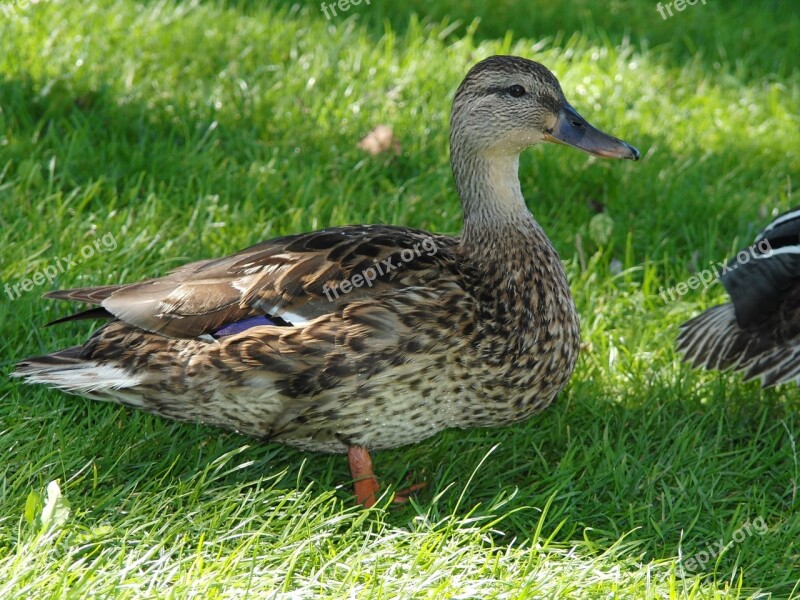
757, 333
359, 338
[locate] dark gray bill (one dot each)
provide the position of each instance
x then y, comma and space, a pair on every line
573, 130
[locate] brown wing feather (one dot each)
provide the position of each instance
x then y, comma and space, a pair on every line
286, 277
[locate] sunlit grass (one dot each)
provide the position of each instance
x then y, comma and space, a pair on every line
190, 130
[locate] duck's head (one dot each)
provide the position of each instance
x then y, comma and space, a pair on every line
507, 103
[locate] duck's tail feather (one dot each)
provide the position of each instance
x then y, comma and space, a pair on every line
91, 313
714, 340
68, 371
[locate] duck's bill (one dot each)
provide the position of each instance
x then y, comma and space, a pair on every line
572, 129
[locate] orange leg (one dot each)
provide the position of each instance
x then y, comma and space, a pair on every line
366, 484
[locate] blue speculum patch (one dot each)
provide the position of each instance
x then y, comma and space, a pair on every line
240, 326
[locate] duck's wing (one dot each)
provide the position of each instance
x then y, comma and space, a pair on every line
289, 280
761, 278
759, 331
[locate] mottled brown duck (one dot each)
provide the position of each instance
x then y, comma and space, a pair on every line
758, 331
359, 338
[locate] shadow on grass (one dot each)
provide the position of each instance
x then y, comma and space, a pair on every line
709, 31
170, 148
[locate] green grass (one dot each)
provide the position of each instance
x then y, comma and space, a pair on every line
190, 130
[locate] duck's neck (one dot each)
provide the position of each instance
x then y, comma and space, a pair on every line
492, 203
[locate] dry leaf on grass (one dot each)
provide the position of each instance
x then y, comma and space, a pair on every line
381, 139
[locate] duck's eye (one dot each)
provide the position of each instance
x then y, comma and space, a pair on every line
517, 91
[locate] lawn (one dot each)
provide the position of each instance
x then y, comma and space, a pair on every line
159, 132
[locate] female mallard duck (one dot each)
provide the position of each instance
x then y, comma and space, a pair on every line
366, 336
758, 332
